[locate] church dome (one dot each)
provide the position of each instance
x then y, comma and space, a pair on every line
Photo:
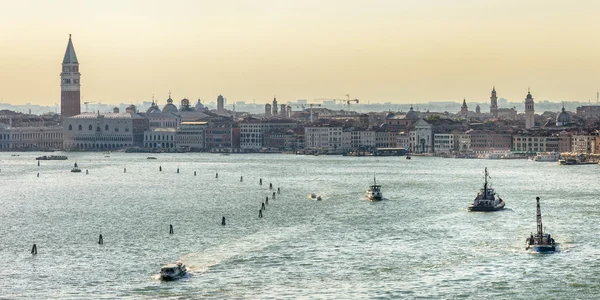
170, 107
153, 108
412, 115
199, 105
563, 118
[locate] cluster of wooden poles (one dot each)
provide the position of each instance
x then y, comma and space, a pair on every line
260, 211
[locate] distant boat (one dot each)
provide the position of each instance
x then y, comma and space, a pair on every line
540, 242
51, 157
76, 169
374, 192
486, 198
546, 156
151, 157
173, 271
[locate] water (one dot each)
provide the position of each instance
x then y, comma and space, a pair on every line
421, 243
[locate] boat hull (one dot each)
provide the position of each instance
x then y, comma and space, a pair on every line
374, 198
500, 206
541, 248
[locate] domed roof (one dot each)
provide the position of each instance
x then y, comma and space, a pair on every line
170, 107
563, 118
411, 114
199, 105
153, 108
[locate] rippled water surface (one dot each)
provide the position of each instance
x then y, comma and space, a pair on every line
420, 243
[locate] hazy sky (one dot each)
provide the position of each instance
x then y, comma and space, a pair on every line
378, 50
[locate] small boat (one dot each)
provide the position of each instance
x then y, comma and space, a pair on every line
51, 157
374, 192
173, 271
540, 242
319, 198
76, 169
151, 157
14, 155
313, 195
408, 156
486, 198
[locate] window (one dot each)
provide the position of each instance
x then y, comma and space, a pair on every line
80, 127
70, 127
98, 128
126, 129
116, 129
105, 127
90, 127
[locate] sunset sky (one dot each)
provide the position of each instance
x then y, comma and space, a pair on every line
375, 50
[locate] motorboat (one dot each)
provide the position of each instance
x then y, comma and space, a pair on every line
486, 199
540, 242
151, 157
173, 271
374, 191
76, 169
313, 196
51, 157
408, 156
319, 198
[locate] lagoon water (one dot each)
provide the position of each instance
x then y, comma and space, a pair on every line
420, 243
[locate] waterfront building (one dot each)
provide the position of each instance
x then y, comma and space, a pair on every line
220, 103
222, 134
385, 138
403, 140
323, 138
463, 142
362, 139
444, 143
160, 138
100, 131
252, 130
190, 135
529, 111
564, 142
70, 85
280, 139
539, 142
583, 143
482, 142
421, 137
30, 138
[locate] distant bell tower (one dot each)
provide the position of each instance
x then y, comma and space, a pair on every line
464, 109
494, 103
274, 106
529, 111
70, 85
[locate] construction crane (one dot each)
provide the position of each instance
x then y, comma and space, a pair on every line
311, 107
342, 101
86, 105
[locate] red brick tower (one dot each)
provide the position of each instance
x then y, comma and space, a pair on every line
70, 97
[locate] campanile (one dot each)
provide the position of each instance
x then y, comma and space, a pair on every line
70, 96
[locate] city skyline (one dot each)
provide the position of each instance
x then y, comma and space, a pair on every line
378, 51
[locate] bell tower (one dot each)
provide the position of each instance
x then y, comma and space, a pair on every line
70, 96
529, 111
494, 104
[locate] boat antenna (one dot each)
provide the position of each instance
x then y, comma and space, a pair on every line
485, 184
539, 220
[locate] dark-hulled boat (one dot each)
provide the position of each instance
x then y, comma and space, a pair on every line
173, 271
487, 199
540, 242
51, 157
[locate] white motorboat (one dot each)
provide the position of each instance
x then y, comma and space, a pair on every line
76, 169
173, 271
374, 192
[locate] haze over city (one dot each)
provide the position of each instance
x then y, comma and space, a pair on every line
377, 51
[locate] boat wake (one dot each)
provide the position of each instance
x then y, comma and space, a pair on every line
198, 263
